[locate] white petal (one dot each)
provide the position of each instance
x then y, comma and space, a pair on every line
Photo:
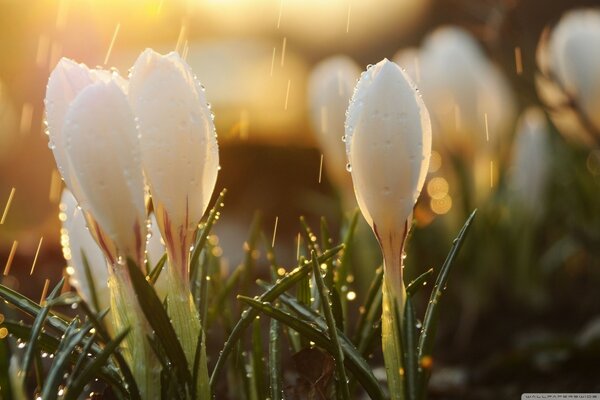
66, 81
575, 60
389, 144
101, 143
81, 242
530, 162
330, 89
178, 140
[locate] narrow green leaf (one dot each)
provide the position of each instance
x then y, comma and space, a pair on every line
30, 307
426, 339
410, 350
96, 320
326, 305
201, 240
275, 367
417, 283
50, 345
158, 268
159, 321
309, 236
71, 339
37, 326
374, 289
258, 361
200, 370
248, 315
89, 278
83, 357
353, 361
92, 369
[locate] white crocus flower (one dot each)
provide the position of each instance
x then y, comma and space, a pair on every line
463, 89
94, 137
101, 144
113, 214
181, 162
329, 90
569, 82
388, 143
77, 243
178, 146
530, 161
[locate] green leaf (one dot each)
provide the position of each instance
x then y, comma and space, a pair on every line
248, 315
92, 369
213, 215
96, 320
315, 331
310, 237
426, 340
30, 307
159, 321
275, 367
257, 361
200, 370
73, 338
50, 345
366, 317
326, 305
155, 273
37, 326
344, 262
410, 350
89, 278
417, 283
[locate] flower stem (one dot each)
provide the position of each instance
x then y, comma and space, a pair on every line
136, 348
394, 298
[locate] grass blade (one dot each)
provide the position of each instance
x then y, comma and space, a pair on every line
410, 350
37, 326
354, 362
289, 280
96, 320
364, 314
213, 215
91, 369
155, 273
30, 307
258, 362
90, 281
326, 304
275, 367
417, 283
426, 340
158, 319
71, 339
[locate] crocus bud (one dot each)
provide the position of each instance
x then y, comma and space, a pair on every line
530, 161
388, 142
178, 146
329, 89
568, 81
77, 243
89, 123
181, 160
470, 101
101, 144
